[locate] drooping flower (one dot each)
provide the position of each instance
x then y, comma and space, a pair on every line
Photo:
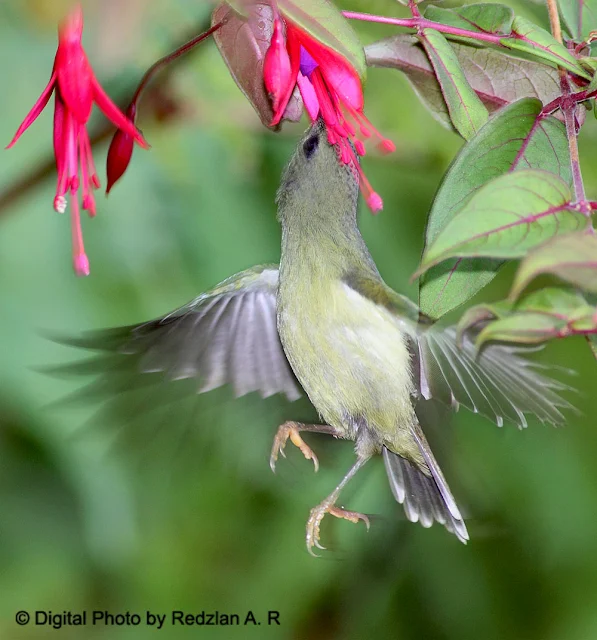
331, 88
76, 89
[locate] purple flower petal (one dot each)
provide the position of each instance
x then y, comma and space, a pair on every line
308, 65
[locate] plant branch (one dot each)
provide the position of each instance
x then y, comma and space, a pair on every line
568, 106
423, 23
569, 111
554, 19
177, 53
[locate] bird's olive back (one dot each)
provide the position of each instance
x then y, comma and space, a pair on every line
316, 183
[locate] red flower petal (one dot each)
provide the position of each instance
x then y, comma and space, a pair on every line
75, 80
37, 108
60, 152
338, 74
115, 115
294, 53
277, 74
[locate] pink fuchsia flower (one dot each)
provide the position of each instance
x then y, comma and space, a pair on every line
330, 88
76, 89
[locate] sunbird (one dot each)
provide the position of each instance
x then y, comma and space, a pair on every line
324, 323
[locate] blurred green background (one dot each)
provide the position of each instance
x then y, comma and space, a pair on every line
191, 517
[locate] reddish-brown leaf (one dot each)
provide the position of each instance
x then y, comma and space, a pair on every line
243, 42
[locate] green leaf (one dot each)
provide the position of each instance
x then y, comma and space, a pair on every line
467, 112
513, 139
496, 77
530, 38
550, 313
529, 328
572, 257
481, 313
554, 300
580, 16
487, 18
507, 217
324, 22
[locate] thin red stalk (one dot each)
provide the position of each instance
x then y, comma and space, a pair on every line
422, 23
414, 9
162, 62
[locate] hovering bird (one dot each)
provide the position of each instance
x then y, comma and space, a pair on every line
325, 323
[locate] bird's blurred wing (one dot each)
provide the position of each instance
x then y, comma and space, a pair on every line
497, 381
225, 336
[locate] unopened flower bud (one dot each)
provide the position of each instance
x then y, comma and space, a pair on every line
120, 151
277, 74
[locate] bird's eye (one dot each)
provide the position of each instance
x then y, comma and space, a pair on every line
310, 145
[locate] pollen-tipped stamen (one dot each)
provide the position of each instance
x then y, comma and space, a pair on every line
60, 204
367, 128
80, 260
360, 147
372, 198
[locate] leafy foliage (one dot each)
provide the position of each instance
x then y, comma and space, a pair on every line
513, 139
498, 79
515, 189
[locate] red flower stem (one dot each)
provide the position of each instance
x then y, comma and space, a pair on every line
177, 53
414, 9
423, 23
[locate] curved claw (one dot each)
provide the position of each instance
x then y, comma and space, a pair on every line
316, 516
351, 516
312, 536
285, 431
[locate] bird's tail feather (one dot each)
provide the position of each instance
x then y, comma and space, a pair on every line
425, 498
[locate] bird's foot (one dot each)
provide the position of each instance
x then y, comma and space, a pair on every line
316, 516
290, 430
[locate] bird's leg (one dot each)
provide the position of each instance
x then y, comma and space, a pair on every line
328, 506
291, 430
